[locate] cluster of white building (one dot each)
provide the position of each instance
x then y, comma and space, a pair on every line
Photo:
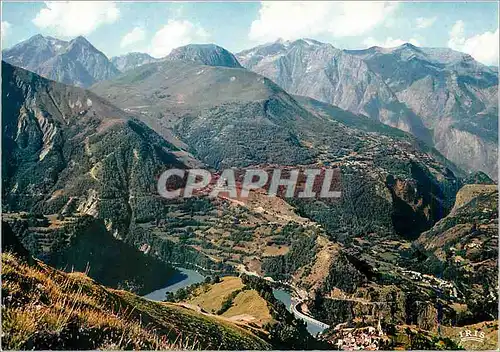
354, 339
432, 281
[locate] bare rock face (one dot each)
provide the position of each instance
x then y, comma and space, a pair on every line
76, 62
320, 71
436, 83
454, 95
468, 150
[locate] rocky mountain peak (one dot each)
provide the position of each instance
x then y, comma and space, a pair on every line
409, 46
300, 41
33, 51
82, 40
307, 41
408, 51
81, 44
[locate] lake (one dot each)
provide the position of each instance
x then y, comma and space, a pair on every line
184, 277
286, 298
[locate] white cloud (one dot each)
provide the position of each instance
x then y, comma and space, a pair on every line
74, 18
457, 35
292, 20
482, 47
6, 26
136, 35
389, 42
425, 22
174, 34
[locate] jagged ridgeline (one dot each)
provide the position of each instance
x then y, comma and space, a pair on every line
442, 96
80, 173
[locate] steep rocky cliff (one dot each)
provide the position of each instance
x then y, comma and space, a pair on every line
455, 96
443, 97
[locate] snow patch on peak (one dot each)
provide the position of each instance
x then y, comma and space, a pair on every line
312, 41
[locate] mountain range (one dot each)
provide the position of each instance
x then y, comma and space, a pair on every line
455, 96
75, 62
409, 246
320, 71
443, 97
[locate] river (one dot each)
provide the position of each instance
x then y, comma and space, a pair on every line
184, 278
187, 277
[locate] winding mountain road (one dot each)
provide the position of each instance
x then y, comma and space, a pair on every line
305, 317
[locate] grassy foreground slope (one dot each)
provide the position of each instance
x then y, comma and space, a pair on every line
44, 308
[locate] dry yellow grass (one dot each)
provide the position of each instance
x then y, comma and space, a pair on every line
271, 251
44, 304
211, 301
44, 308
249, 306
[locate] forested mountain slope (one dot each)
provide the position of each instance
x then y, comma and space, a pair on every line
234, 118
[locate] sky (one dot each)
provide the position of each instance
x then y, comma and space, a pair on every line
156, 28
